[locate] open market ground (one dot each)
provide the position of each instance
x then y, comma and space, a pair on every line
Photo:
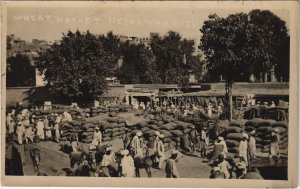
53, 160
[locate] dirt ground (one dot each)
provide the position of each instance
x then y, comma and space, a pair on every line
53, 161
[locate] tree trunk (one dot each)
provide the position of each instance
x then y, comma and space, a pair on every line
228, 89
230, 102
265, 77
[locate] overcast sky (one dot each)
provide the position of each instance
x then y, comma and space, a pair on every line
131, 19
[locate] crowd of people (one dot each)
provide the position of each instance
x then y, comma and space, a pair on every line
183, 108
27, 127
23, 124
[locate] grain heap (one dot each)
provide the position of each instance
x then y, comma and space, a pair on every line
282, 128
234, 135
114, 127
95, 111
166, 125
60, 109
263, 132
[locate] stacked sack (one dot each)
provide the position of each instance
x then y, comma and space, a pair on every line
120, 108
60, 109
95, 111
114, 127
66, 131
234, 135
166, 125
263, 129
282, 128
87, 132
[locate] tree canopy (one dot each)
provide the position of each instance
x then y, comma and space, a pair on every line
20, 71
243, 44
138, 64
173, 58
77, 66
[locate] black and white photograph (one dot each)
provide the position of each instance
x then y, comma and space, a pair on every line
147, 90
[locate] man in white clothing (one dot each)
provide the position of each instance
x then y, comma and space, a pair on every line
97, 136
159, 149
243, 148
127, 164
136, 144
40, 129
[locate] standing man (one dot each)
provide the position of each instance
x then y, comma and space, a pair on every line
40, 129
243, 148
74, 142
127, 164
20, 132
171, 167
274, 146
47, 128
29, 134
97, 136
159, 149
252, 147
11, 129
125, 139
209, 110
204, 141
8, 120
136, 144
57, 131
220, 109
220, 147
194, 138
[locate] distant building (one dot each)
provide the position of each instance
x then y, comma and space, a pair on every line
15, 45
112, 81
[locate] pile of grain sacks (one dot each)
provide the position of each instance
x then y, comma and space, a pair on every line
114, 127
166, 125
59, 109
234, 135
95, 111
264, 128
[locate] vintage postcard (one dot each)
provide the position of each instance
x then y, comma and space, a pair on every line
149, 94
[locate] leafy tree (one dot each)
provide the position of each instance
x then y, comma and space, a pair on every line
242, 44
223, 42
138, 64
267, 35
76, 67
171, 53
112, 45
282, 68
20, 71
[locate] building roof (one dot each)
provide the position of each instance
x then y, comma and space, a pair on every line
156, 86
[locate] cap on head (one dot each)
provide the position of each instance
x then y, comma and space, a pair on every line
161, 136
216, 169
245, 135
276, 130
139, 133
220, 138
124, 152
157, 133
174, 152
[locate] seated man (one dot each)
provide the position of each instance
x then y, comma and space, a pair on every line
109, 157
